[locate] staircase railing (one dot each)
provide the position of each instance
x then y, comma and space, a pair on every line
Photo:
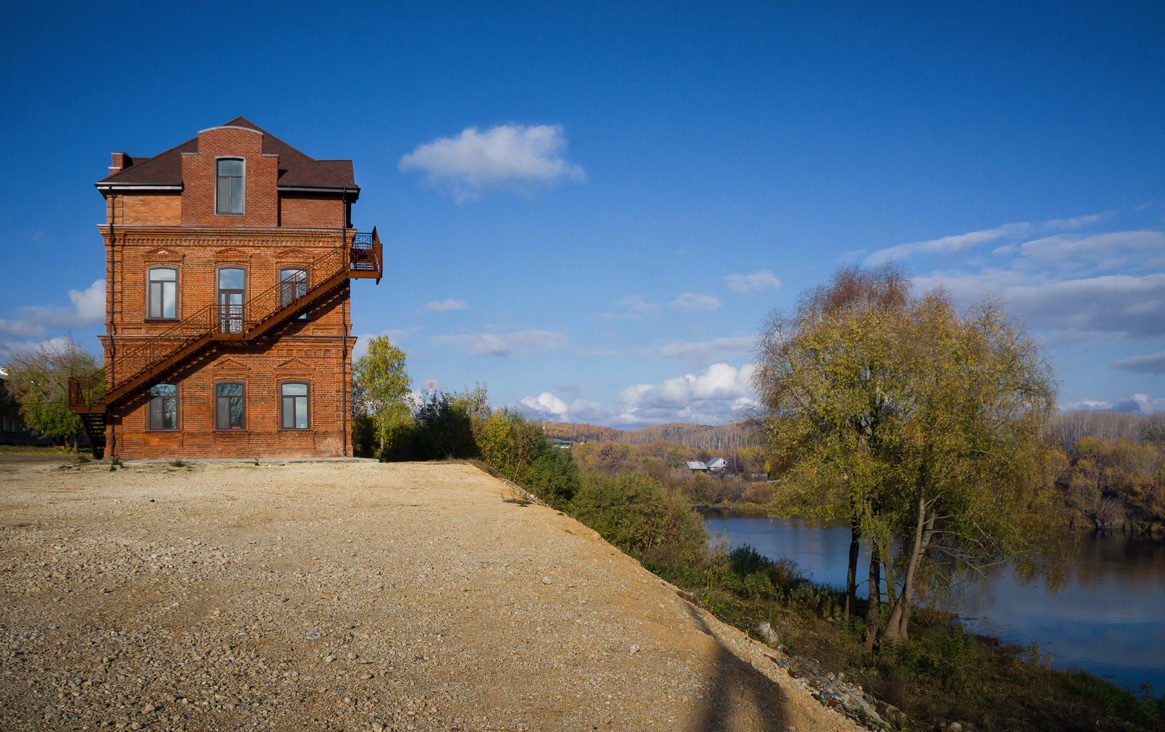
138, 359
87, 393
269, 302
360, 258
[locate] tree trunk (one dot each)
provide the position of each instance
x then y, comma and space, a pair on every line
851, 572
897, 627
874, 607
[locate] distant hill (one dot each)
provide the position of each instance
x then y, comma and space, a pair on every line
735, 436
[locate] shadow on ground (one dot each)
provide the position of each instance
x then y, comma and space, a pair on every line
738, 692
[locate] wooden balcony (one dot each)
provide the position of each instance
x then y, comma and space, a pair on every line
146, 363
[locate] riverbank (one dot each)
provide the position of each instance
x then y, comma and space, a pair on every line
349, 596
943, 673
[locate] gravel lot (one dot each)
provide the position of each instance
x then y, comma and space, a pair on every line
348, 596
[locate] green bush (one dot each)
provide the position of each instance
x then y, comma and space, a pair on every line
553, 476
631, 512
443, 429
509, 443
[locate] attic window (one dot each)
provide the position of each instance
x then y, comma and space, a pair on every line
229, 186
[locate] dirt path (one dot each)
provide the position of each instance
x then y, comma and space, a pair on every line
348, 596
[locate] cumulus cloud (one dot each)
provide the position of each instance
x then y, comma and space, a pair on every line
35, 321
695, 301
545, 403
759, 280
504, 344
475, 161
88, 304
1154, 364
716, 396
547, 406
632, 307
445, 306
1136, 404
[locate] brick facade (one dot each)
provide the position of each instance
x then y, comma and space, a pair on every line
174, 228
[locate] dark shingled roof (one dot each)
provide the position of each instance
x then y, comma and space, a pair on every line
296, 170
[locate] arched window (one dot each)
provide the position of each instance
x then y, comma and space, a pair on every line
162, 293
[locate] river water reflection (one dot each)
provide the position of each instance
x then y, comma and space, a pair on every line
1106, 618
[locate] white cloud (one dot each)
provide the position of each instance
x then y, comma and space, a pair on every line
474, 162
716, 396
89, 304
1011, 233
396, 336
1107, 251
695, 301
948, 244
715, 349
1153, 364
759, 280
35, 321
1125, 305
546, 403
549, 407
1141, 403
504, 344
1136, 404
632, 307
23, 329
1074, 222
445, 306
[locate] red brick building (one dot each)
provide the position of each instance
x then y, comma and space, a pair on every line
228, 260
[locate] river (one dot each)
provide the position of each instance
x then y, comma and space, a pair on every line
1106, 618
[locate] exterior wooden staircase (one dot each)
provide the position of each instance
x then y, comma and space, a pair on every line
147, 363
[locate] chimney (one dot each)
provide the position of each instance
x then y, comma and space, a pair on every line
121, 161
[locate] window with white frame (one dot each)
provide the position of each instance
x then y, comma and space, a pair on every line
294, 408
162, 293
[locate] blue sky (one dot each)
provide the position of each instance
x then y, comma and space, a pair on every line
590, 208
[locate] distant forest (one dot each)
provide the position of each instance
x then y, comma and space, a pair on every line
729, 437
1109, 467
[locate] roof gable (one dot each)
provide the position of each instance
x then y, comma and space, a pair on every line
296, 170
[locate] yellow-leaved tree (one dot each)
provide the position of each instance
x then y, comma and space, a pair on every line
381, 387
923, 427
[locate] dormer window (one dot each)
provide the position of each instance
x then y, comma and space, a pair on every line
229, 186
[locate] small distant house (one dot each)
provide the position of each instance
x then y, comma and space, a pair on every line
716, 465
697, 467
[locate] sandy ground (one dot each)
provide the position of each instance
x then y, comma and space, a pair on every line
353, 596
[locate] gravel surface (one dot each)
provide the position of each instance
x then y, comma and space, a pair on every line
348, 596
